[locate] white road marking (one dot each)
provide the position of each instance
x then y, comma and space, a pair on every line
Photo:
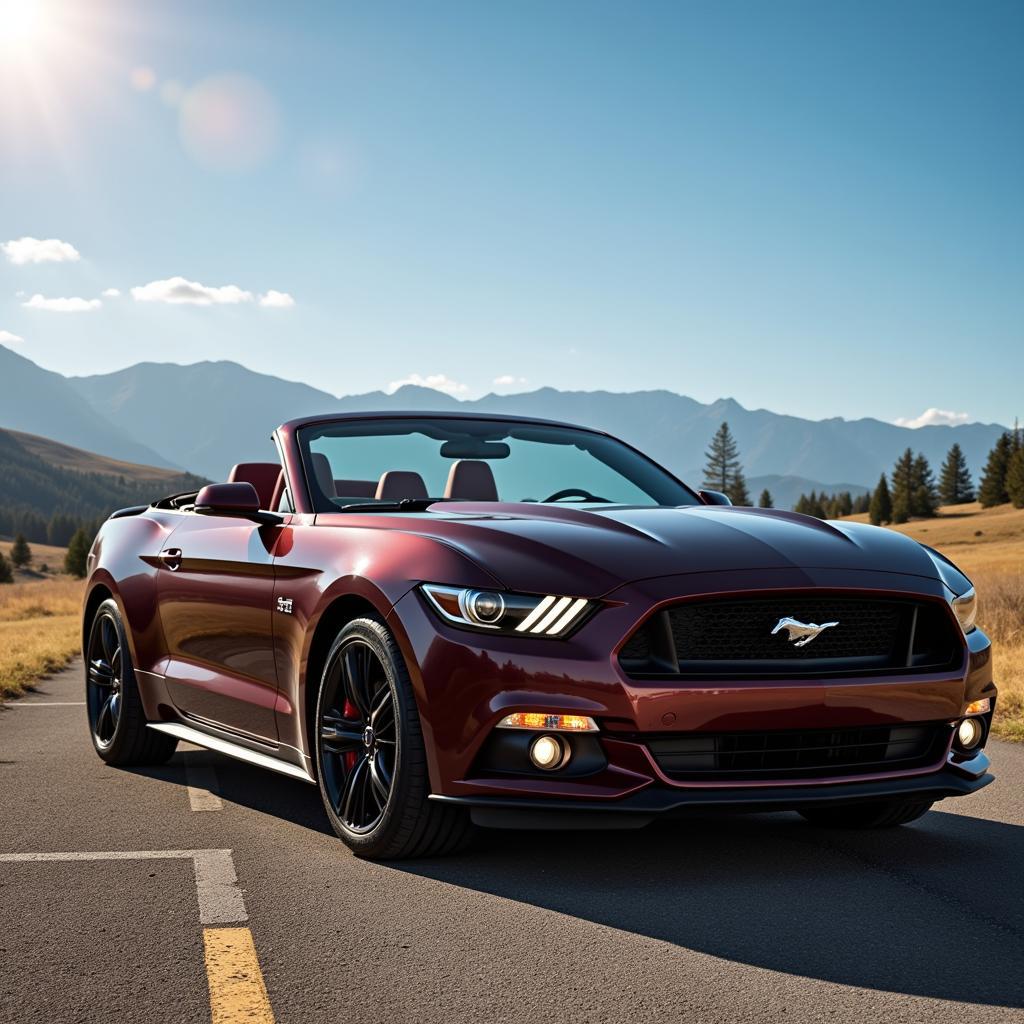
45, 704
201, 783
220, 898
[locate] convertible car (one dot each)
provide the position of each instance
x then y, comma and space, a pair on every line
449, 621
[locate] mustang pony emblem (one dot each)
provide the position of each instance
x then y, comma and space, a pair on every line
801, 633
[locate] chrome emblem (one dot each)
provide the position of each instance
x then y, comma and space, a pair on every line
800, 634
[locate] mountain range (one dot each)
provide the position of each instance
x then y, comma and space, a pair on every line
207, 416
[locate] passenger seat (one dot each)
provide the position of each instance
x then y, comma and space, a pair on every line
396, 484
471, 480
262, 475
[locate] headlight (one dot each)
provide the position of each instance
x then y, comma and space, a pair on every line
966, 608
527, 614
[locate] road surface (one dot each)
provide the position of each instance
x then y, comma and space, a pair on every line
219, 887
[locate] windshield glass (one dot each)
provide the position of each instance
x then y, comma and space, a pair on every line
478, 460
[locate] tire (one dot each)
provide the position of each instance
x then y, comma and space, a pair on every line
370, 756
884, 814
117, 720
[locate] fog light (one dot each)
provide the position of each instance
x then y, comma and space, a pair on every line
979, 707
969, 733
548, 752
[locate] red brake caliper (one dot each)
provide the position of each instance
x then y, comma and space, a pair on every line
350, 712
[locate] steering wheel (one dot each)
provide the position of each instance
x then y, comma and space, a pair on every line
574, 492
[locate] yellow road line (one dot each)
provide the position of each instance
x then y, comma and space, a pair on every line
237, 990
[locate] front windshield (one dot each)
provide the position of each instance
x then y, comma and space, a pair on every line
365, 461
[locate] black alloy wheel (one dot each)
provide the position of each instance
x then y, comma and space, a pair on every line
358, 736
104, 679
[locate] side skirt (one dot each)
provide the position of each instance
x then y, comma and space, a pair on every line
240, 753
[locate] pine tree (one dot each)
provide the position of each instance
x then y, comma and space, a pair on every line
737, 491
765, 501
902, 487
21, 553
6, 575
723, 461
880, 508
78, 551
844, 505
723, 471
924, 498
1015, 478
993, 477
862, 503
801, 505
955, 486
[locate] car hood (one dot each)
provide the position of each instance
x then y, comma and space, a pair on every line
590, 552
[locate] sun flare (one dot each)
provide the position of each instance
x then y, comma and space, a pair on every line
22, 25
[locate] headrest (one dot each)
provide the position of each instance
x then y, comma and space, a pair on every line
471, 480
262, 475
396, 484
322, 469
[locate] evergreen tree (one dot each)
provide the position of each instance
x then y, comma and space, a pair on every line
1015, 478
880, 508
924, 498
723, 470
78, 551
6, 575
955, 486
801, 505
723, 460
993, 477
765, 501
902, 487
21, 553
862, 503
844, 505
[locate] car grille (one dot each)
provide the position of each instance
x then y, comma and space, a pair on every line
791, 754
733, 638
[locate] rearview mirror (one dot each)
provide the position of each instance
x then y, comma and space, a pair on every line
239, 500
714, 498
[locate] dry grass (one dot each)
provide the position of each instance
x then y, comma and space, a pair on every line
40, 626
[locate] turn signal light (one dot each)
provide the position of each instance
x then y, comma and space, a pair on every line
551, 723
979, 707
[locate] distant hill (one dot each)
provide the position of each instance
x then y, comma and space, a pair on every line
39, 401
207, 416
51, 488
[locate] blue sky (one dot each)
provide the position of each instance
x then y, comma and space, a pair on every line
817, 208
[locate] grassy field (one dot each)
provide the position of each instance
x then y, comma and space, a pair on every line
39, 628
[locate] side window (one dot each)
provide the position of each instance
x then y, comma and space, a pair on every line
285, 504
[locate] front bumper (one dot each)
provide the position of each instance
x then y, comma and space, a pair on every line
465, 682
658, 803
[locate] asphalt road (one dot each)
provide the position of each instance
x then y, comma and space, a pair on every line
753, 919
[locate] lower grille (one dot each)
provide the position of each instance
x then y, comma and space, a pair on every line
745, 637
793, 754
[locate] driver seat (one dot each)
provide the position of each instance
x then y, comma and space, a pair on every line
471, 480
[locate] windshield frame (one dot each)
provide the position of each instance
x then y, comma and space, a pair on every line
301, 432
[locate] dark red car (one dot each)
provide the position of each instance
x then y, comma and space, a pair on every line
447, 620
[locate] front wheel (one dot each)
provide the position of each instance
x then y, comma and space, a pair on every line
883, 814
117, 720
370, 756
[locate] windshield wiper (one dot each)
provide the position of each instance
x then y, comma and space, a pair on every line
404, 505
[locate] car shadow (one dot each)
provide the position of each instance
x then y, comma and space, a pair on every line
931, 909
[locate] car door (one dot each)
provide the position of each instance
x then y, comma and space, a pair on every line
215, 590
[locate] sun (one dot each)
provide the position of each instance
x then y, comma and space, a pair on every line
22, 24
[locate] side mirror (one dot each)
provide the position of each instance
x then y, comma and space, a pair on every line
714, 498
238, 500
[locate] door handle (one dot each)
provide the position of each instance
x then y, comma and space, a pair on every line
170, 558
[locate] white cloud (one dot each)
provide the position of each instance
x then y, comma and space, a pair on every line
436, 381
7, 338
178, 291
71, 305
508, 380
39, 250
110, 293
276, 300
935, 418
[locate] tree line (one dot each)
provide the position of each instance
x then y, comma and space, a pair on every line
910, 491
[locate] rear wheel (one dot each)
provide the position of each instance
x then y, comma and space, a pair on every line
884, 814
371, 760
117, 721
